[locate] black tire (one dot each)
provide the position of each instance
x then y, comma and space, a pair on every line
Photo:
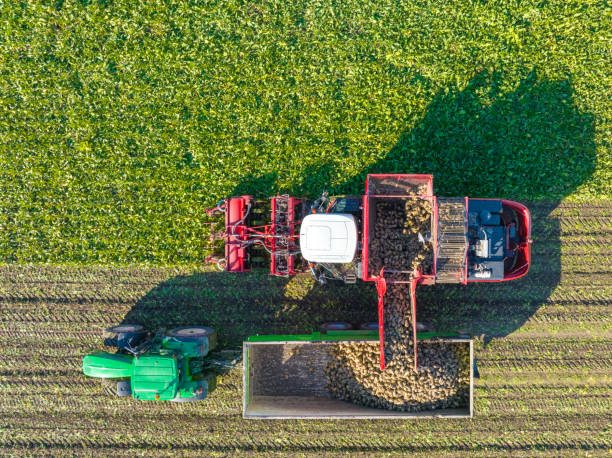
191, 331
122, 335
336, 326
369, 326
195, 332
124, 328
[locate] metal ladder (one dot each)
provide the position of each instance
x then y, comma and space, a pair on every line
452, 240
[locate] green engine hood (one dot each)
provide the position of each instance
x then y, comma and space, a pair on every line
155, 377
107, 365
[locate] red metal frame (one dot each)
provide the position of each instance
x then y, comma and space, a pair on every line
236, 234
413, 308
292, 203
465, 263
381, 288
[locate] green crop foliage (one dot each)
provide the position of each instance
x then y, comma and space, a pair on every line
121, 121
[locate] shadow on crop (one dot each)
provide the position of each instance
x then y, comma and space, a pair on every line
532, 142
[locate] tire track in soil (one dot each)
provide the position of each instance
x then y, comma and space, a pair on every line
68, 421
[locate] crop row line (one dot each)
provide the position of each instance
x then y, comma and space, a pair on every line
313, 445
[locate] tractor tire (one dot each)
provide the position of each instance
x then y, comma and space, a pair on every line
369, 326
117, 336
336, 326
132, 328
194, 332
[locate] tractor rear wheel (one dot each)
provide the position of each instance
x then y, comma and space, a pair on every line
133, 328
123, 335
193, 332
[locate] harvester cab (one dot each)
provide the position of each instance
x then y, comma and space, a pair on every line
169, 366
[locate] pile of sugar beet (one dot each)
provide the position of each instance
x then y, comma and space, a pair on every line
395, 242
441, 381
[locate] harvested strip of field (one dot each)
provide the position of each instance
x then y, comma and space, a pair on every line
544, 388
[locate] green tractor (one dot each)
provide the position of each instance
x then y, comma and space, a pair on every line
169, 366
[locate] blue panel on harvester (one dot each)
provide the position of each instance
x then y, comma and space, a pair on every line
487, 239
478, 205
495, 235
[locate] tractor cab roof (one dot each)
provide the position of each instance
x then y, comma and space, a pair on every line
155, 377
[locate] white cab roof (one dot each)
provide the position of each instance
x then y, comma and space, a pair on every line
328, 237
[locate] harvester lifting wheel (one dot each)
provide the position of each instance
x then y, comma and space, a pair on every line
336, 326
192, 332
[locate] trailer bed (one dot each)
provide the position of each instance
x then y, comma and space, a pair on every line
287, 379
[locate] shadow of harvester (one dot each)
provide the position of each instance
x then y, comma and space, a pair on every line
239, 305
531, 142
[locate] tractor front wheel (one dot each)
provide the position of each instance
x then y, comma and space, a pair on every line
195, 332
369, 326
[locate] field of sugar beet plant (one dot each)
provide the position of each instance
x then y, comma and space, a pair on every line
120, 122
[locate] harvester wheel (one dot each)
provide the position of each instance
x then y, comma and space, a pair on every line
336, 326
192, 332
369, 326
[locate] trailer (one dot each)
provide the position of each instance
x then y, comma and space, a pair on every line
285, 377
